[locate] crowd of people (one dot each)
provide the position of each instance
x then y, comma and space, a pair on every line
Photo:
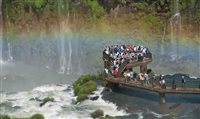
125, 53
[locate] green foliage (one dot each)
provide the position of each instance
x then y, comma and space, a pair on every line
173, 114
198, 17
152, 22
151, 19
37, 116
88, 87
98, 113
28, 16
82, 97
84, 86
5, 117
107, 117
150, 72
139, 5
81, 81
96, 10
48, 99
39, 3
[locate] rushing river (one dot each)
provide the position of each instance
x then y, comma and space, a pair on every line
31, 69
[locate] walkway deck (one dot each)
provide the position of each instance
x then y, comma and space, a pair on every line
157, 88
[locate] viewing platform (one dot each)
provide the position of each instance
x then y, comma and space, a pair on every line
155, 88
120, 72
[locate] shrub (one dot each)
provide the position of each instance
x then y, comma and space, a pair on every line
88, 87
81, 97
83, 79
98, 113
37, 116
84, 86
96, 10
150, 72
48, 99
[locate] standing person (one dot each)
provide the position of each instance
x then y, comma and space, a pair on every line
173, 84
183, 81
141, 77
115, 72
160, 79
146, 77
163, 85
131, 73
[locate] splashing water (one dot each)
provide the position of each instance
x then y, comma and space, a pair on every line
24, 103
70, 57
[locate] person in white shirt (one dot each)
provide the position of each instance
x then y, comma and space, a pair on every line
146, 78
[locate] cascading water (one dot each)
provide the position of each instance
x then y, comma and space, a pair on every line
1, 32
69, 57
62, 41
69, 64
62, 54
63, 63
10, 57
175, 25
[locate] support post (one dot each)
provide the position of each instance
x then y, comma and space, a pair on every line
143, 68
111, 86
162, 98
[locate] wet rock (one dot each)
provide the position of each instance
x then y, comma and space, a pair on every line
73, 102
45, 100
98, 113
68, 89
93, 98
174, 106
107, 117
17, 107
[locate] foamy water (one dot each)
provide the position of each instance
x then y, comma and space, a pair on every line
22, 104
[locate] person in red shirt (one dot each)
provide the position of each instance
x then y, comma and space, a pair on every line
115, 72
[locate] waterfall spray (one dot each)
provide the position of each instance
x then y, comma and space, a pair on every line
61, 41
63, 63
70, 57
62, 54
1, 44
70, 44
10, 57
175, 25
